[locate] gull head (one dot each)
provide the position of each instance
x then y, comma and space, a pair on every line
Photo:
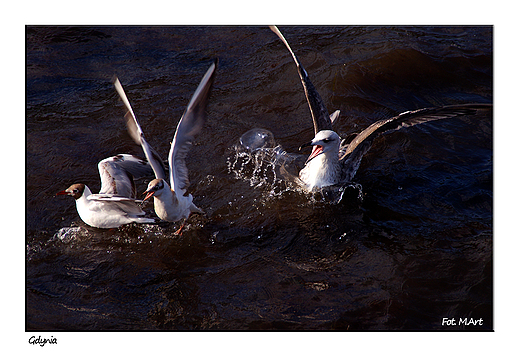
324, 142
155, 188
75, 191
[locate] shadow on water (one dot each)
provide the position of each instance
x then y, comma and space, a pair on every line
409, 245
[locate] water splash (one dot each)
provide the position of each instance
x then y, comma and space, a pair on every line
335, 194
68, 234
259, 167
257, 138
257, 159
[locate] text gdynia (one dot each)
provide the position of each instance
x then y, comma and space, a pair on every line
42, 341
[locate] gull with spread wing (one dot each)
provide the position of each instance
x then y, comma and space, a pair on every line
335, 161
170, 200
115, 204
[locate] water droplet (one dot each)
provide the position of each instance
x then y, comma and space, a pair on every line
256, 139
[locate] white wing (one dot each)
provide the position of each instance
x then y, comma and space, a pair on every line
190, 125
137, 134
117, 174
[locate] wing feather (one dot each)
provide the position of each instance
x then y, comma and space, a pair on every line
320, 116
190, 125
135, 131
117, 174
352, 152
116, 204
111, 198
411, 118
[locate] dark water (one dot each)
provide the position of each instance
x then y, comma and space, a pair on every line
415, 248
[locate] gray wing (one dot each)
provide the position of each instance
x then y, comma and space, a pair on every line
320, 116
111, 198
117, 174
134, 129
351, 153
118, 204
190, 125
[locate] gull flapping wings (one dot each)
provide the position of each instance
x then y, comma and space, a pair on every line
137, 134
352, 151
320, 116
190, 125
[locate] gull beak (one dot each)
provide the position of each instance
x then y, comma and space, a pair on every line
148, 194
62, 193
316, 150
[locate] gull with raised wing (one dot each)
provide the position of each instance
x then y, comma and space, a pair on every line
335, 161
115, 204
170, 200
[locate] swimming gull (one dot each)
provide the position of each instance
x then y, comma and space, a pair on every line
115, 204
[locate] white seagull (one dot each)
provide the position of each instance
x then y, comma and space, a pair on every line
115, 204
170, 200
335, 161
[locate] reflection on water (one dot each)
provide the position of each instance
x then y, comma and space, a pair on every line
407, 245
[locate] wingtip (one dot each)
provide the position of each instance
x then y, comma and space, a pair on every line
334, 116
282, 38
280, 35
213, 67
115, 80
118, 87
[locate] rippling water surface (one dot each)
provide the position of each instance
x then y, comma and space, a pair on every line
411, 244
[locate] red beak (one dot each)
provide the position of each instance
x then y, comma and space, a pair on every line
148, 195
62, 193
316, 150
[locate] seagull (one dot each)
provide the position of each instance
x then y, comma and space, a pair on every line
115, 204
170, 200
334, 161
